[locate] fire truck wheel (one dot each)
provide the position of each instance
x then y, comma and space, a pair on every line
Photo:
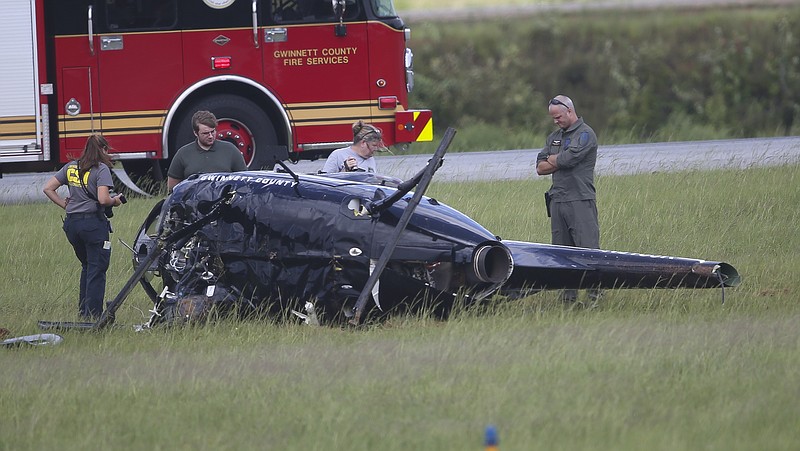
240, 122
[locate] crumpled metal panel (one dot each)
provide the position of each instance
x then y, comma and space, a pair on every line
282, 242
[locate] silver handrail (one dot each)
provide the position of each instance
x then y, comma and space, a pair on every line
255, 24
91, 32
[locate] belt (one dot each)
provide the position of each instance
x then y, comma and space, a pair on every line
83, 215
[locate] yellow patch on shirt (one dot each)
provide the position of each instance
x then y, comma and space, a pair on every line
73, 179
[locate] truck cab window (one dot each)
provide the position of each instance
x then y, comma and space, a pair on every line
139, 15
310, 11
383, 8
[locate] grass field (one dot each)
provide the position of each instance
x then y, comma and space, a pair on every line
649, 369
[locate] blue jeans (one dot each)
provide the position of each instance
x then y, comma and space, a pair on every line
89, 237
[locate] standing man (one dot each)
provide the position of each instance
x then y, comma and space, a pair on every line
204, 154
569, 155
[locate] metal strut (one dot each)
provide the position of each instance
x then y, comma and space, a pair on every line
108, 316
425, 180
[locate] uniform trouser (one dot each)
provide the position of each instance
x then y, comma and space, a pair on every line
89, 237
575, 224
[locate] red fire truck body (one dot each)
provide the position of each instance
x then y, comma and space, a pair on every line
287, 73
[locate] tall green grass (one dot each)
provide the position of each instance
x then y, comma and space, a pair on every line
649, 369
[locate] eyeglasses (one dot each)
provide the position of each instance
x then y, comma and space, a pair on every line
558, 102
208, 133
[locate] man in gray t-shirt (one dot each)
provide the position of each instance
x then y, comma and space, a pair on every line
204, 154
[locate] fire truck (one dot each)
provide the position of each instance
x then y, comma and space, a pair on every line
286, 74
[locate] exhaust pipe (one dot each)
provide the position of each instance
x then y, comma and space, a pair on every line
492, 263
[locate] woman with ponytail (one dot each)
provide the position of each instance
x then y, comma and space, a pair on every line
87, 228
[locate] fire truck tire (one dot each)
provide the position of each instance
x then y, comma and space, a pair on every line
240, 121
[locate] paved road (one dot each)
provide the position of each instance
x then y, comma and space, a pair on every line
519, 164
611, 160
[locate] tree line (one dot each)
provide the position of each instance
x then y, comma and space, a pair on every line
635, 76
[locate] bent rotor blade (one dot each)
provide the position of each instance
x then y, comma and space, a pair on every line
430, 170
107, 318
108, 314
33, 340
123, 177
161, 246
64, 325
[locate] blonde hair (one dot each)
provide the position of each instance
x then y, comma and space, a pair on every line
365, 132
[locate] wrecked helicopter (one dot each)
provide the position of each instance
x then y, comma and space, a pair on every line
340, 248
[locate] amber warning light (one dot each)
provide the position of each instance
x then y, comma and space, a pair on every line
220, 62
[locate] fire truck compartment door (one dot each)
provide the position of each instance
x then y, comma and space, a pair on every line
78, 99
20, 121
140, 72
322, 78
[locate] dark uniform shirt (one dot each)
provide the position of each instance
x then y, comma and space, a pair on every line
577, 154
193, 159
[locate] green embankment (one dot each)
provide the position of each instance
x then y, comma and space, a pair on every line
635, 76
